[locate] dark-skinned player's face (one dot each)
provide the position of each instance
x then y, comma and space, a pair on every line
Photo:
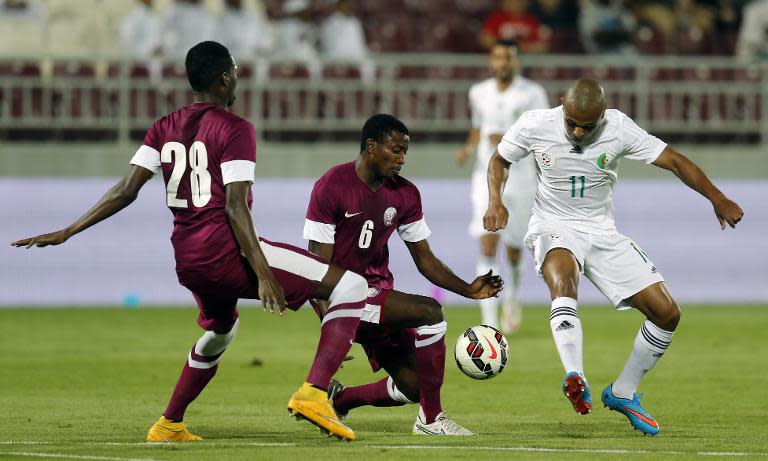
503, 62
230, 91
389, 154
581, 126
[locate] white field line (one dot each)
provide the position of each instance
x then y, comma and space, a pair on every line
405, 447
66, 456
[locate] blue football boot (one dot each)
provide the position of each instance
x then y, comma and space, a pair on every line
638, 417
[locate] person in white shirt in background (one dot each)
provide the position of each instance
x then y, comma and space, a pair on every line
22, 27
342, 38
297, 37
496, 103
247, 33
141, 33
187, 23
753, 35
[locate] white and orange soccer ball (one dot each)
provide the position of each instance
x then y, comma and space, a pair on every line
481, 352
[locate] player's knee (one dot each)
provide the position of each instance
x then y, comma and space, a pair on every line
431, 312
670, 317
209, 348
351, 288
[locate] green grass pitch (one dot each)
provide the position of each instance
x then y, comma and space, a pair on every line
88, 383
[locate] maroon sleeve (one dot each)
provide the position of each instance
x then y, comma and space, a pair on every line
414, 211
151, 138
241, 145
322, 203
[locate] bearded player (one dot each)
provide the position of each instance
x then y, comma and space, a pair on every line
353, 210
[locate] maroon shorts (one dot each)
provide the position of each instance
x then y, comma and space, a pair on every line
217, 287
379, 342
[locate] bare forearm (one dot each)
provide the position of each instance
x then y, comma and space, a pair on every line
242, 227
439, 274
116, 198
694, 177
473, 139
497, 177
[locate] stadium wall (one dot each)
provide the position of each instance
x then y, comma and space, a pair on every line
128, 260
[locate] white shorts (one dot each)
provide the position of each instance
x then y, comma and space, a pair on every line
518, 202
613, 263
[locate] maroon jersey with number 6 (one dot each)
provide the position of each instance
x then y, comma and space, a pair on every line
200, 149
345, 212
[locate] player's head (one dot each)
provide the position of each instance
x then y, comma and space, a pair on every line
583, 107
503, 60
212, 70
383, 144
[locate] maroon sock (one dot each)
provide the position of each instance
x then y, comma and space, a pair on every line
375, 394
430, 366
191, 383
336, 336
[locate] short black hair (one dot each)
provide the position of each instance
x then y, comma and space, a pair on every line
205, 62
380, 125
509, 43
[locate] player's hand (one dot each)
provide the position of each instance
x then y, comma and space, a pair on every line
462, 155
495, 217
727, 211
53, 238
271, 294
485, 286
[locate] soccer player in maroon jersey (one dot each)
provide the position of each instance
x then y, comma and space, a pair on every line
207, 156
353, 210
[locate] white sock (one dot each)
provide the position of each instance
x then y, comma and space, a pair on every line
650, 344
512, 283
566, 331
489, 307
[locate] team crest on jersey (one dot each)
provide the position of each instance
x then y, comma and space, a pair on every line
373, 292
545, 160
602, 160
554, 236
389, 216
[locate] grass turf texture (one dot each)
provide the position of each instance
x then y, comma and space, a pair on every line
88, 383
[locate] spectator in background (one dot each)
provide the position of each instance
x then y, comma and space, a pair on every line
187, 23
22, 23
141, 33
556, 13
244, 31
342, 38
607, 27
753, 36
512, 21
297, 36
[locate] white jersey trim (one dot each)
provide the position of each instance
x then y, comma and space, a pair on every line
237, 170
415, 231
293, 262
319, 232
148, 158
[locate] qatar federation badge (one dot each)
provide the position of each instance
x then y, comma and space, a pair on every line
389, 216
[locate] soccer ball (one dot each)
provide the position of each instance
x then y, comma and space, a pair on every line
481, 352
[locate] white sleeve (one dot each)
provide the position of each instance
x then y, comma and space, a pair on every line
237, 170
638, 144
148, 158
474, 108
515, 145
319, 232
540, 99
415, 231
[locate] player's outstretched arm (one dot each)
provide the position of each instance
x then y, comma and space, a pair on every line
438, 273
270, 292
325, 251
118, 197
473, 139
497, 215
726, 210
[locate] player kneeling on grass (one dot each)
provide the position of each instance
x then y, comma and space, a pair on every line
577, 148
353, 210
207, 157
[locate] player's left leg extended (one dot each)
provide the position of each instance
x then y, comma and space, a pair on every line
199, 369
651, 342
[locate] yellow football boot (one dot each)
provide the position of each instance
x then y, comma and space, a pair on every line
312, 404
165, 430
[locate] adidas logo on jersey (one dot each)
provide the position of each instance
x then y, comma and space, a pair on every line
576, 149
565, 325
